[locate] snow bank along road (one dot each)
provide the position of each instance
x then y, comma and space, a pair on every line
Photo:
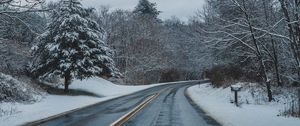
165, 105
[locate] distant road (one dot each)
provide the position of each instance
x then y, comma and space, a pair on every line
169, 107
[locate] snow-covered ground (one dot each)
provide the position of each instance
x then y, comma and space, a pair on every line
216, 102
17, 113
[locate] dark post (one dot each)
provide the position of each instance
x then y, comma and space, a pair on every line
299, 102
236, 98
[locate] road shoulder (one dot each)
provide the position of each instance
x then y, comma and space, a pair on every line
206, 117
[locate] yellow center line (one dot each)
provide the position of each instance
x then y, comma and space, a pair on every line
138, 108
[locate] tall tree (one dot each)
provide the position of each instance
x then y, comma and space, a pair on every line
146, 8
293, 28
73, 46
237, 29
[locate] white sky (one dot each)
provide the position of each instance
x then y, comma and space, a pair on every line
182, 9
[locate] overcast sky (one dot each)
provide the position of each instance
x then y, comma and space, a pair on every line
182, 9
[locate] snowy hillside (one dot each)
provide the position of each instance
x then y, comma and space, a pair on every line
253, 111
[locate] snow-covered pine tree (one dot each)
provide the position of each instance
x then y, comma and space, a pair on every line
146, 8
73, 46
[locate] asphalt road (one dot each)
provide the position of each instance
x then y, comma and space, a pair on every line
170, 108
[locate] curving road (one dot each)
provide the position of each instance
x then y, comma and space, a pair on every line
170, 108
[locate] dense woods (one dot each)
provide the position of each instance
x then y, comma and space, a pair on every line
259, 36
146, 49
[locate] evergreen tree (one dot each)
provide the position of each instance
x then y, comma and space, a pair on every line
73, 46
146, 8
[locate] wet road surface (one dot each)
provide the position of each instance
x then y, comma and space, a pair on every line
170, 108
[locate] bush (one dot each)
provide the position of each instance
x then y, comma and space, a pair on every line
292, 107
12, 90
170, 75
216, 76
223, 75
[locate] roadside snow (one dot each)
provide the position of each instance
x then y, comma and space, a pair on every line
50, 106
216, 102
17, 113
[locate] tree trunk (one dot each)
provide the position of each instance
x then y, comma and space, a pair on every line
299, 102
274, 49
258, 54
67, 81
270, 97
266, 80
276, 65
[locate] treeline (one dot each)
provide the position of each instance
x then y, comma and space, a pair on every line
149, 50
146, 48
230, 40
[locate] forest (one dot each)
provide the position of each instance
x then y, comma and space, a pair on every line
227, 41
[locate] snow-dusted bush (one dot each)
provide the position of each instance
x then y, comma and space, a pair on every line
292, 104
12, 90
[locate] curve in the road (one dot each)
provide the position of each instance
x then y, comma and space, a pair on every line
170, 108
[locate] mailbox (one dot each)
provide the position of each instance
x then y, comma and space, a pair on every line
236, 88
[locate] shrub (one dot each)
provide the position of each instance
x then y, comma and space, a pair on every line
12, 90
216, 76
170, 75
225, 74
